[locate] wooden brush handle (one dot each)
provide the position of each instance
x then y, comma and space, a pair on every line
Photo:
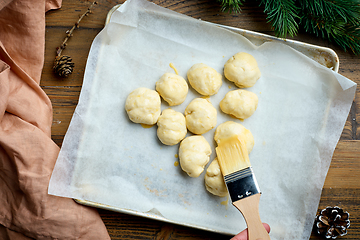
249, 207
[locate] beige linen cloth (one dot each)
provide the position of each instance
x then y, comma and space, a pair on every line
27, 153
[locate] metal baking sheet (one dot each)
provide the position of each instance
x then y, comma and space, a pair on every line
325, 56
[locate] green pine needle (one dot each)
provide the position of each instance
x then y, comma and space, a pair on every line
337, 21
333, 10
231, 5
283, 16
350, 39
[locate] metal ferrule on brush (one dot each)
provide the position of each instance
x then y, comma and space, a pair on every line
242, 184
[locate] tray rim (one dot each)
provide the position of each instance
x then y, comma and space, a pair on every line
149, 215
256, 36
251, 35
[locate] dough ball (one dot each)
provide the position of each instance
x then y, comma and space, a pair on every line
143, 105
239, 103
242, 69
172, 88
194, 154
204, 79
171, 127
214, 180
230, 128
200, 116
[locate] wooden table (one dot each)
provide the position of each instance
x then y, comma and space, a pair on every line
342, 185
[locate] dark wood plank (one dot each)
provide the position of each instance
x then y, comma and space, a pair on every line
70, 11
122, 226
78, 49
348, 200
342, 183
344, 170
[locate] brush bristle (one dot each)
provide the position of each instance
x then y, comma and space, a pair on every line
232, 155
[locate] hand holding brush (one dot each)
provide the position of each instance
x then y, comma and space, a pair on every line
241, 183
243, 235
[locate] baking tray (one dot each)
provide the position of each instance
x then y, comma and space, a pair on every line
325, 56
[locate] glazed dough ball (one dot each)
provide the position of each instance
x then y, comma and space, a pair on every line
214, 180
239, 103
242, 69
200, 116
143, 105
204, 79
171, 127
230, 128
172, 88
194, 154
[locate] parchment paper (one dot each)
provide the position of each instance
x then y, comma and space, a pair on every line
105, 158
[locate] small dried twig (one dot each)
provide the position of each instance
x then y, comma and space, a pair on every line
70, 32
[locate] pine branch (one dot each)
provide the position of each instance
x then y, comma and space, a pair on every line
350, 39
337, 21
343, 10
231, 5
283, 16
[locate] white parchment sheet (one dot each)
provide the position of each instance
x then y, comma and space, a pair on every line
105, 158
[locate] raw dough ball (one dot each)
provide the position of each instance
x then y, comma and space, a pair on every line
242, 69
143, 105
171, 127
200, 116
230, 128
204, 79
214, 180
194, 154
239, 103
172, 88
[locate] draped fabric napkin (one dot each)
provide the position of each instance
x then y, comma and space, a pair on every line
27, 153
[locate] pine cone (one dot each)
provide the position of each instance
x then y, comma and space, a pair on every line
332, 222
63, 66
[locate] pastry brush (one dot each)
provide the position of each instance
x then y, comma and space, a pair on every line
240, 180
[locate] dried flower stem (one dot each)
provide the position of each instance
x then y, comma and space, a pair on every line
70, 32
